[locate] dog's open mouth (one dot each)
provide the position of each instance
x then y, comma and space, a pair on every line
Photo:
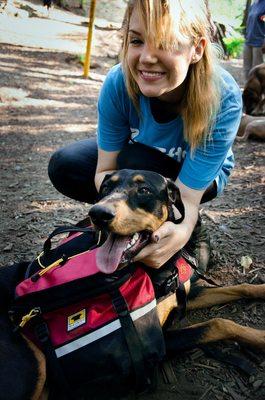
118, 250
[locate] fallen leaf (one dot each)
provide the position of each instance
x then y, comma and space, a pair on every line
245, 262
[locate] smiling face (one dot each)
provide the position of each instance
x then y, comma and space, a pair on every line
157, 72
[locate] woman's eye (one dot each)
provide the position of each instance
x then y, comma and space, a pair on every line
144, 190
135, 41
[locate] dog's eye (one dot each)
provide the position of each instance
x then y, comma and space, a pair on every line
104, 190
144, 190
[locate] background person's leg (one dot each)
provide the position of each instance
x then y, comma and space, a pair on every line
257, 56
72, 170
247, 60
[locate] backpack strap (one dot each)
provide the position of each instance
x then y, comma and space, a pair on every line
133, 342
64, 229
55, 373
194, 264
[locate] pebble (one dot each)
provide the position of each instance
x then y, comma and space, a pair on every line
257, 384
9, 247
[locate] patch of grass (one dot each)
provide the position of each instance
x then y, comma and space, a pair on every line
81, 58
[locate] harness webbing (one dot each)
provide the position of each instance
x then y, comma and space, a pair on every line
133, 342
60, 384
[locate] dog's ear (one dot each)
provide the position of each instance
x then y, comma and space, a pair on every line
106, 177
175, 198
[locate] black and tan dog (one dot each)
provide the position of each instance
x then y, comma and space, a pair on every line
251, 127
132, 205
254, 91
135, 203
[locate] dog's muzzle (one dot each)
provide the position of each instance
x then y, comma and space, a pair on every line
101, 216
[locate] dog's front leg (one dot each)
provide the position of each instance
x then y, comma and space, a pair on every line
214, 330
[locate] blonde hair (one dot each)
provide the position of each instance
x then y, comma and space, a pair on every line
167, 24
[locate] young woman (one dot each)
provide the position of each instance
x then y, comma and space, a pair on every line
168, 107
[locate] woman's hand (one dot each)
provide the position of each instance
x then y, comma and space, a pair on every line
166, 241
169, 238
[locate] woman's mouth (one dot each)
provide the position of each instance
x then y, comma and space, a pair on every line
151, 75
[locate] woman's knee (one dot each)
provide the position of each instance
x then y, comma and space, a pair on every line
72, 169
79, 157
60, 162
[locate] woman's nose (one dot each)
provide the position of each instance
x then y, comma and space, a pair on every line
148, 55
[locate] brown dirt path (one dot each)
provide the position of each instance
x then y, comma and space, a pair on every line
45, 104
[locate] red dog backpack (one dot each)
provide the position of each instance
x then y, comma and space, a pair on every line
100, 333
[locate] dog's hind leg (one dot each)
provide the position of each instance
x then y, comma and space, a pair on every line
202, 297
217, 329
214, 330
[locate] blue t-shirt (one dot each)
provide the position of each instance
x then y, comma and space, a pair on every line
118, 120
255, 30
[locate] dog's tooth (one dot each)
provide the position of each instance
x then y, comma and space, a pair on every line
132, 241
128, 246
136, 236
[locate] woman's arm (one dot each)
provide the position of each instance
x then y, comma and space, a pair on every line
107, 163
170, 238
113, 123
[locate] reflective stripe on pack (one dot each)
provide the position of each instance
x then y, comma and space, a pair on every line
103, 331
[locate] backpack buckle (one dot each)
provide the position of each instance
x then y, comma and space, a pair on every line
119, 303
42, 332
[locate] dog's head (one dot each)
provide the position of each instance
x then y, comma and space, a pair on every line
251, 100
253, 93
132, 204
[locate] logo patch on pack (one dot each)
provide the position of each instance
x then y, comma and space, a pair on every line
76, 320
185, 270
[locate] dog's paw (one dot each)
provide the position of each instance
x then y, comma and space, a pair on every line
259, 291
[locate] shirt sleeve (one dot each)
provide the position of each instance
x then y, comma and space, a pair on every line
201, 168
113, 104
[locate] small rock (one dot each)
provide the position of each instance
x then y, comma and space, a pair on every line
95, 65
9, 247
9, 94
113, 56
257, 384
261, 278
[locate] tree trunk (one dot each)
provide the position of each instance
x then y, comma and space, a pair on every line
245, 16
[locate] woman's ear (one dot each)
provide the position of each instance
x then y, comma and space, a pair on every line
198, 50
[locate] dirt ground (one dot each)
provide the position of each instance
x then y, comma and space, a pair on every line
44, 104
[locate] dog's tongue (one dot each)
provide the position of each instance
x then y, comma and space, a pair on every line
109, 254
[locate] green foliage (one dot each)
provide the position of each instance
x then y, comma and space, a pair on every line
81, 59
234, 46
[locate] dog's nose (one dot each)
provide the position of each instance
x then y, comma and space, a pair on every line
101, 216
